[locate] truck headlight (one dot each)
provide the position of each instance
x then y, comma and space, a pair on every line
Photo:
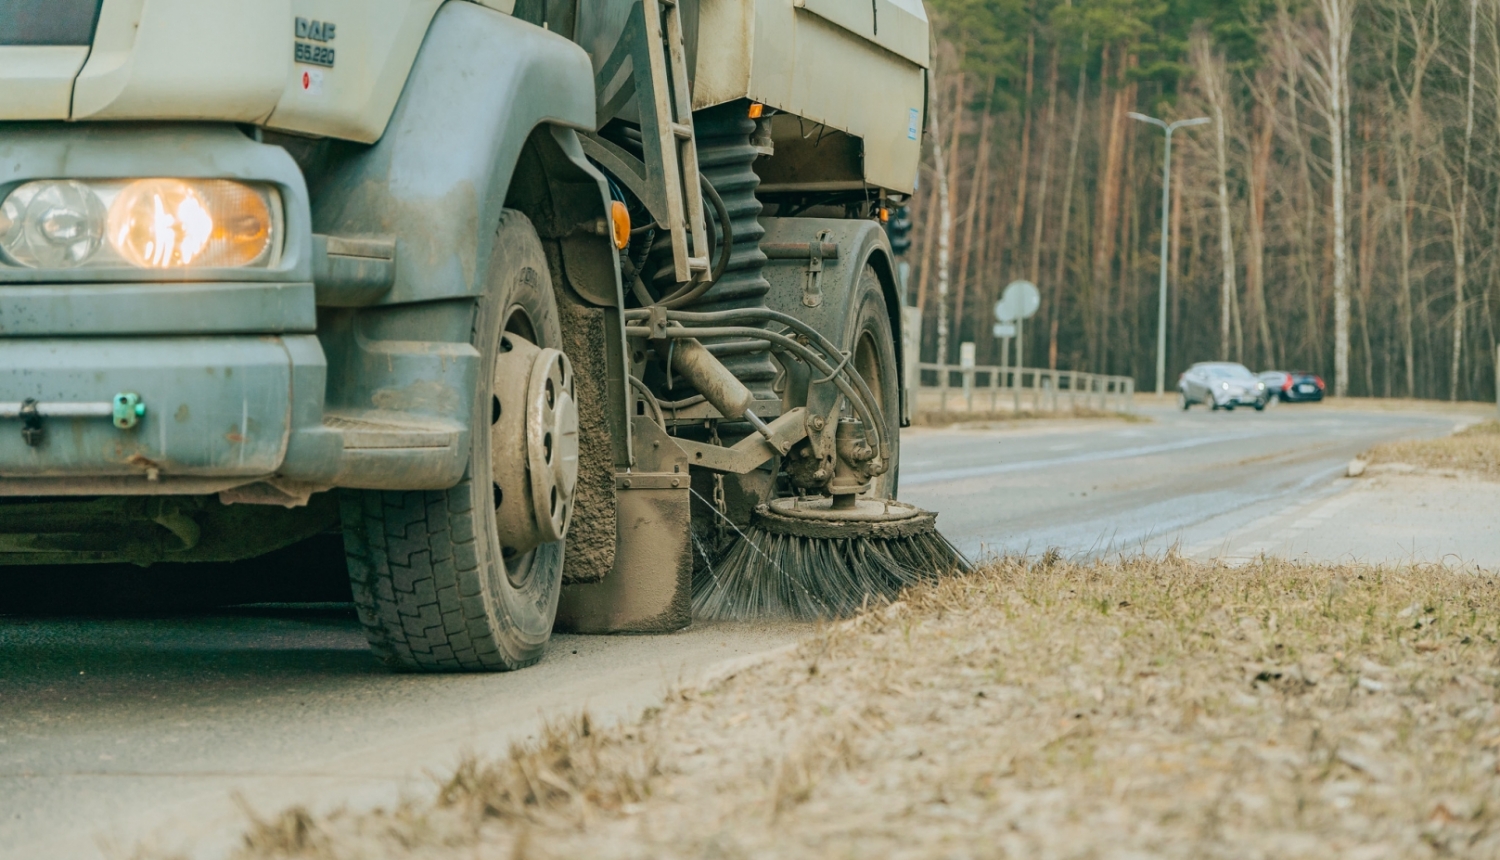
143, 223
52, 225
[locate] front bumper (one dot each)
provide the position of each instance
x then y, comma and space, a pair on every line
220, 413
1237, 398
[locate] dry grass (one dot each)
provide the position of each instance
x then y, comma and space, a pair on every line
1475, 450
1160, 708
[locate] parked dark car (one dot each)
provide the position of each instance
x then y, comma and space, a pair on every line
1293, 385
1221, 385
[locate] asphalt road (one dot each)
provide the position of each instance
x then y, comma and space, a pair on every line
119, 729
1185, 480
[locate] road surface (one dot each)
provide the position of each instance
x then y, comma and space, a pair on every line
114, 730
1206, 483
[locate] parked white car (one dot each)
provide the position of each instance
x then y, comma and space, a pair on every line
1221, 385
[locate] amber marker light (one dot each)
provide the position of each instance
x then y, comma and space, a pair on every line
174, 223
756, 110
619, 219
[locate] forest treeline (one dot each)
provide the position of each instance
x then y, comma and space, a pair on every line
1339, 214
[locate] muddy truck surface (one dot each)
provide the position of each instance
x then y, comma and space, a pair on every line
538, 301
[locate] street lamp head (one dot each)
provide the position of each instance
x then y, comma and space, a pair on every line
1195, 121
1143, 118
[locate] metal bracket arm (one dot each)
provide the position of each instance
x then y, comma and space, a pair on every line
749, 453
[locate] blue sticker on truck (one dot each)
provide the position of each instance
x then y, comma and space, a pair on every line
913, 123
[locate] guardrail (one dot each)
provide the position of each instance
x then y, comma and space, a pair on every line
988, 389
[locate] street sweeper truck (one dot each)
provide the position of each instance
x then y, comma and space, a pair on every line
567, 313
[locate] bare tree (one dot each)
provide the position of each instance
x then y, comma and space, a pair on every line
1255, 266
1327, 68
1461, 211
1067, 201
945, 222
1416, 31
1209, 67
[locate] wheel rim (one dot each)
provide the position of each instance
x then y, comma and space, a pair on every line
867, 363
533, 447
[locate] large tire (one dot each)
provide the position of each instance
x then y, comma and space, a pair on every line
434, 588
872, 350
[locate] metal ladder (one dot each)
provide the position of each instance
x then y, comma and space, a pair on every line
671, 104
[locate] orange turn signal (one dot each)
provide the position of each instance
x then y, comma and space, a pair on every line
756, 110
619, 220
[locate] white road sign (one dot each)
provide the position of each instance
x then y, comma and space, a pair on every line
1020, 300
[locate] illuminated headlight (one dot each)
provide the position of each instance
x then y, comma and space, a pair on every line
143, 223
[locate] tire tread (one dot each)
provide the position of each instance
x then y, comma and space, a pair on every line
415, 574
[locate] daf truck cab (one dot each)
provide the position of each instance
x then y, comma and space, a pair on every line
532, 300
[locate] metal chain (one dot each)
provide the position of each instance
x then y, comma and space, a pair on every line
719, 505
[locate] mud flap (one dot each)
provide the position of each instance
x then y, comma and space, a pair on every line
649, 588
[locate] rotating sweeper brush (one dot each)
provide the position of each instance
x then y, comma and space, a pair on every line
826, 556
825, 542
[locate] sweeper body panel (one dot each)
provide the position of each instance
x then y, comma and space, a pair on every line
535, 302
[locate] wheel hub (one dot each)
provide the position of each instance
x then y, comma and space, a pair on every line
533, 444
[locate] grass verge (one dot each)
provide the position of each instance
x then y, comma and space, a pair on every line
1474, 450
1148, 707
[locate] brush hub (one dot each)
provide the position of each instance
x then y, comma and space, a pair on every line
819, 518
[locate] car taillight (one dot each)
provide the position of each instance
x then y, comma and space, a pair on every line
1286, 383
1319, 380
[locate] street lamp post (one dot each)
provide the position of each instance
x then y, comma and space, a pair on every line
1166, 214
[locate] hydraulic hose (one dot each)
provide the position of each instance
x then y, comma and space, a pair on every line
866, 413
817, 337
691, 293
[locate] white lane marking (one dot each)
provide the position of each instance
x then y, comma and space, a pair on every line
1093, 456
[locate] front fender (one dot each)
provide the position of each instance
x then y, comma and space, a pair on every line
438, 178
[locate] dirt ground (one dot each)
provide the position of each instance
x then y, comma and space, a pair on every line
1161, 708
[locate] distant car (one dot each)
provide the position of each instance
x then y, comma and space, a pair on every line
1221, 385
1290, 385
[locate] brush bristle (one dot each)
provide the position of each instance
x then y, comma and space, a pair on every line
772, 575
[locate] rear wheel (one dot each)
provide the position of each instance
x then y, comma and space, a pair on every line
1183, 401
872, 350
468, 578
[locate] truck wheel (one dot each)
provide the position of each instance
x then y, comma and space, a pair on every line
467, 579
873, 354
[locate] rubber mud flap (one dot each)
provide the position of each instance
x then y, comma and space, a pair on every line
591, 536
649, 590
